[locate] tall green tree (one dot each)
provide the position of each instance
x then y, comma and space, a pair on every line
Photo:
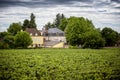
72, 31
56, 23
14, 28
110, 36
26, 24
32, 21
75, 30
22, 39
63, 24
58, 19
81, 31
29, 24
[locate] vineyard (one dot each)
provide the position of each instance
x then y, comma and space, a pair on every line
60, 64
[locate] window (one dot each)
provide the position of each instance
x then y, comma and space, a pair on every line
36, 34
61, 34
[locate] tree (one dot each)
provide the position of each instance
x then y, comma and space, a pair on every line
75, 29
72, 31
118, 40
32, 21
9, 39
93, 39
23, 39
29, 24
110, 36
58, 19
48, 25
81, 31
14, 28
63, 24
3, 34
3, 44
26, 24
6, 40
56, 23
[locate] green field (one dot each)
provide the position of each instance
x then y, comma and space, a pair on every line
60, 64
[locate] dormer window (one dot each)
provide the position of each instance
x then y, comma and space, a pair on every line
36, 34
31, 34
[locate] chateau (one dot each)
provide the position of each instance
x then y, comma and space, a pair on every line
52, 38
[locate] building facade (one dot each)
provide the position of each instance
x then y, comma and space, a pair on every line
52, 38
55, 34
38, 40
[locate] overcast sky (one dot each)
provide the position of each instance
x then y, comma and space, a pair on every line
103, 13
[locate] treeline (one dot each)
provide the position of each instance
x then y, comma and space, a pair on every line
16, 36
79, 32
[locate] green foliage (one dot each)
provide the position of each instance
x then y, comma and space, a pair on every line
14, 28
58, 19
48, 25
32, 21
110, 36
22, 39
5, 40
74, 30
9, 39
60, 64
118, 40
93, 39
3, 45
29, 24
56, 23
81, 31
63, 24
3, 34
26, 24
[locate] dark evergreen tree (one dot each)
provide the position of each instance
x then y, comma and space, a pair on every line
32, 21
26, 24
56, 23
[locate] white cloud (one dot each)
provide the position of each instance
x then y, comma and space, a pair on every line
101, 16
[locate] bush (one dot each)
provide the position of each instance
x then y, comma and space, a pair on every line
94, 44
94, 40
22, 39
4, 45
10, 41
